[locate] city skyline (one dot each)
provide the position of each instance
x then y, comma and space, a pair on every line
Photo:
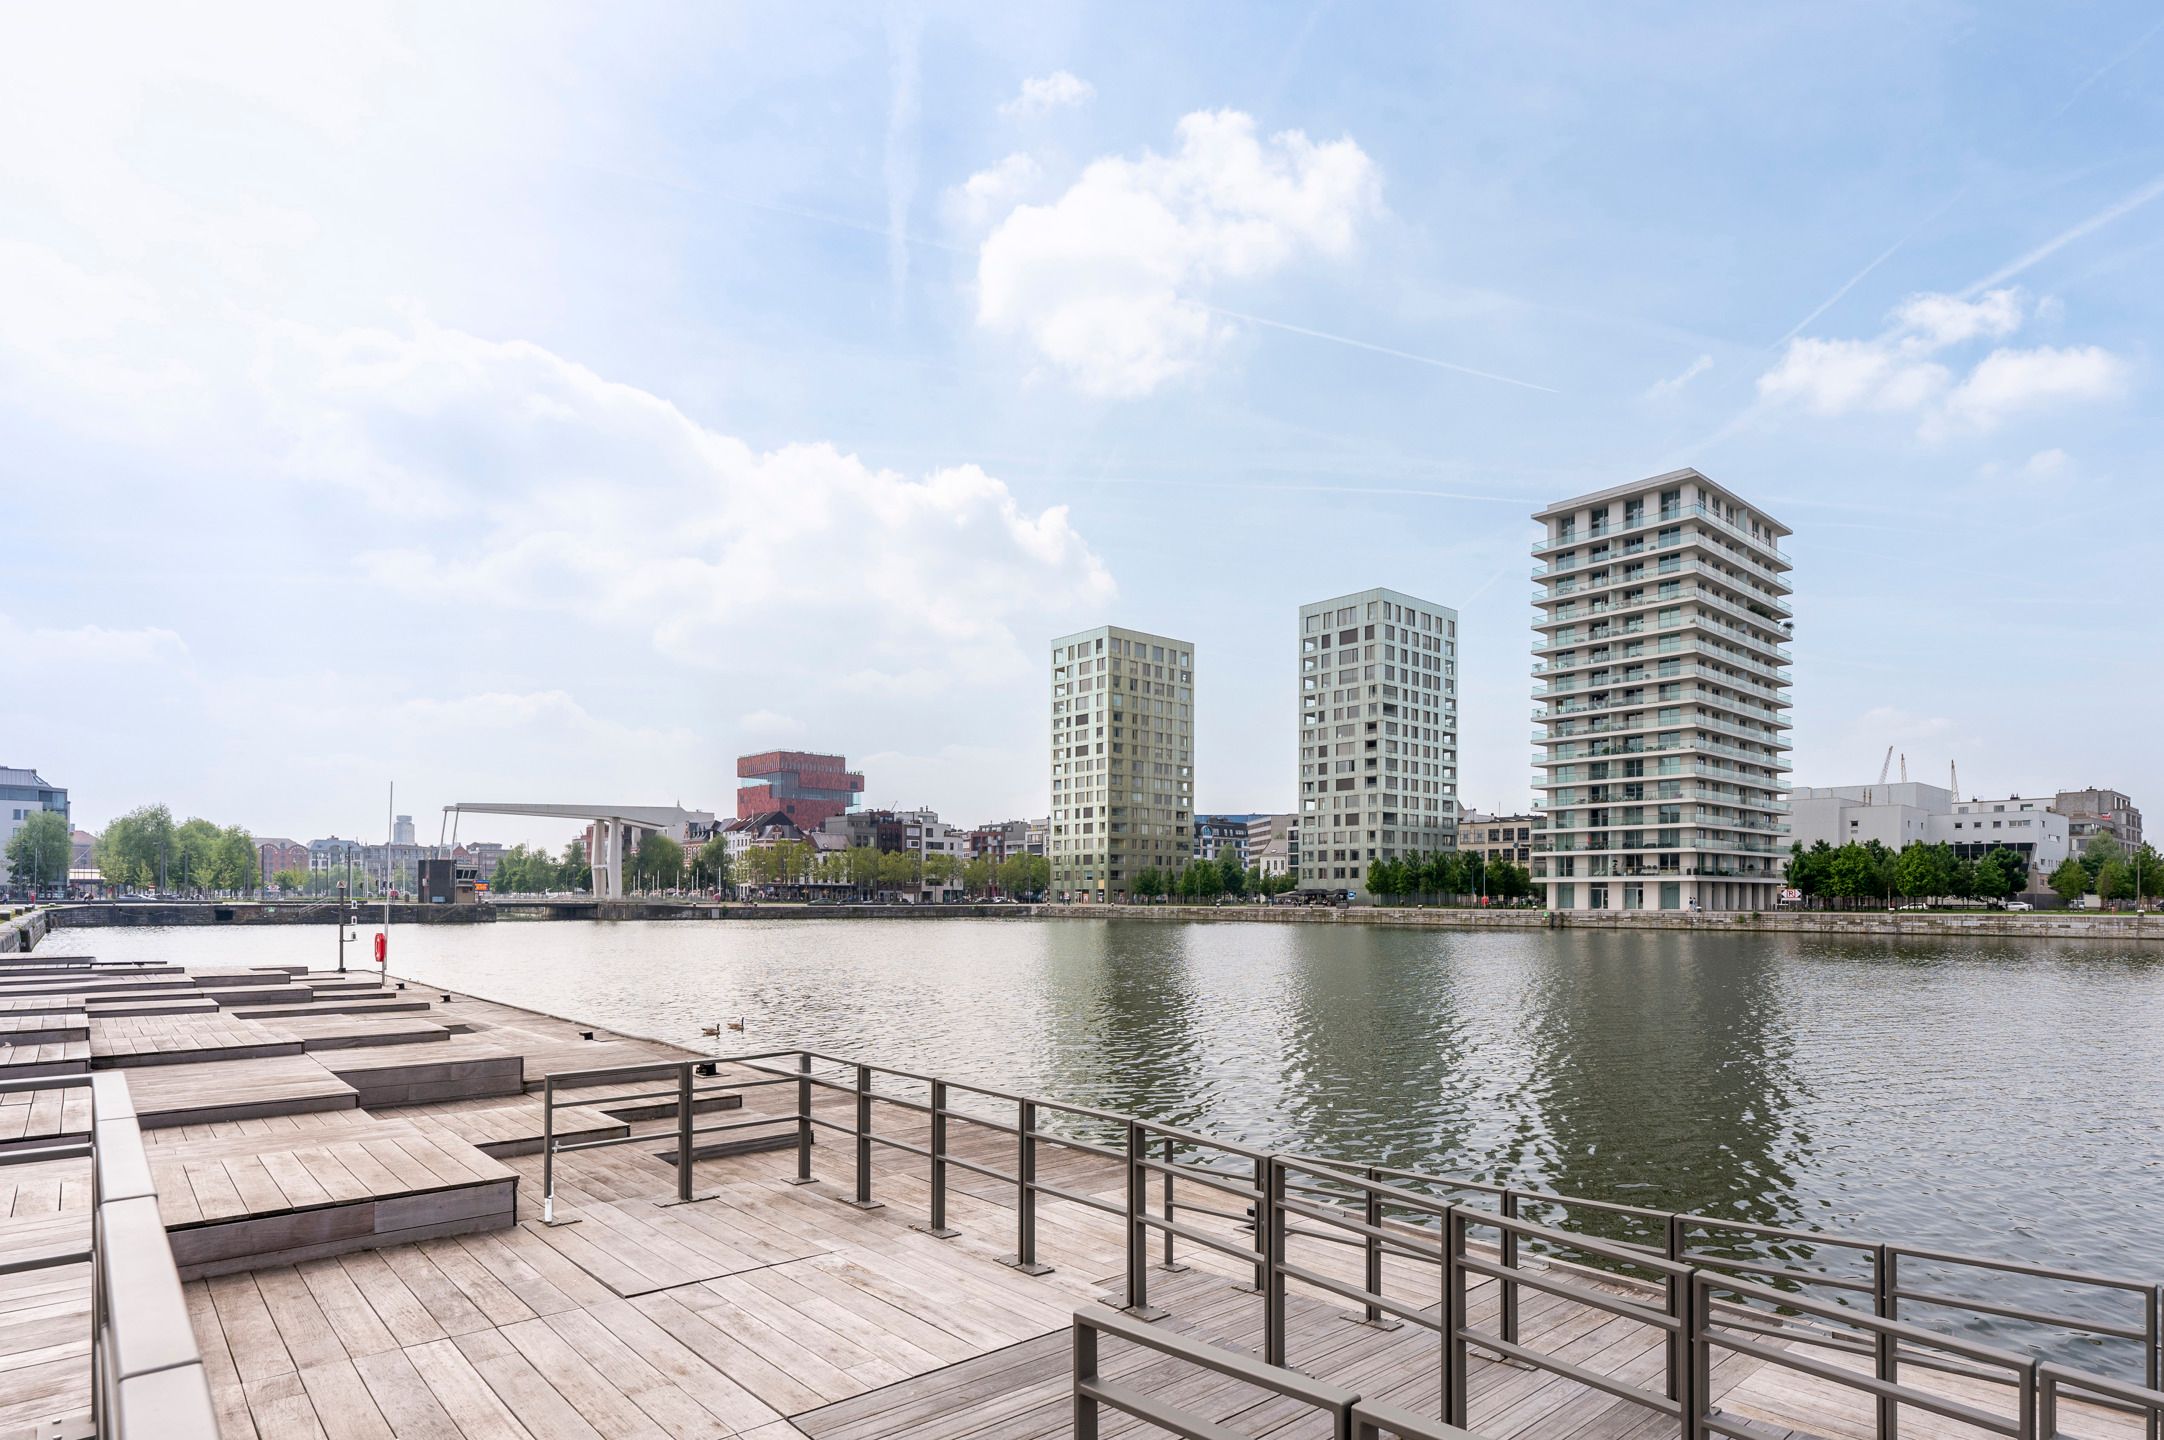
575, 447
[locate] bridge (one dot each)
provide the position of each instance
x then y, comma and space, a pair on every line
615, 827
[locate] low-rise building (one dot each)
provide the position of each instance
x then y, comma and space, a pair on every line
23, 793
999, 840
2090, 813
1912, 812
1502, 837
1218, 832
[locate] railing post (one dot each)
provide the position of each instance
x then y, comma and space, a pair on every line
1261, 1228
803, 1174
1085, 1370
683, 1132
1679, 1306
1683, 1300
1885, 1349
1270, 1224
1025, 1190
1372, 1253
2153, 1312
548, 1150
1509, 1297
1138, 1230
2028, 1381
1694, 1424
1171, 1265
863, 1199
2047, 1407
1453, 1317
938, 1225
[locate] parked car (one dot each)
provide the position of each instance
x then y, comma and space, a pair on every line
2019, 905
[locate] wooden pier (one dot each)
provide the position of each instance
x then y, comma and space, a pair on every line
354, 1200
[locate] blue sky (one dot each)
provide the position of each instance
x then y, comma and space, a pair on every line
555, 403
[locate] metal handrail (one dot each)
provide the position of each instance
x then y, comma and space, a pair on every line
2051, 1378
1093, 1392
1385, 1211
146, 1376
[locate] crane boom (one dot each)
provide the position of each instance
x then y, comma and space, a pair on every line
1886, 765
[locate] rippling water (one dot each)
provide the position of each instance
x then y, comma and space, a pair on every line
1991, 1096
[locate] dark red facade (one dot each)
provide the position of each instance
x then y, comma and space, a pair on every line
810, 789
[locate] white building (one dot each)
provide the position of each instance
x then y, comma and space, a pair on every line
1910, 812
1662, 693
1123, 759
22, 794
1378, 769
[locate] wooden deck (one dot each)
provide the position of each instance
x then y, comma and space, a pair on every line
328, 1306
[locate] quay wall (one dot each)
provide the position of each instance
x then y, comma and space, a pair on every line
2042, 925
22, 930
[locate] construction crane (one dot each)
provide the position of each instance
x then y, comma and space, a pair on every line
1904, 767
1886, 766
1953, 778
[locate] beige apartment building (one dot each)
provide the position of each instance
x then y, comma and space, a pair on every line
1123, 760
1661, 690
1378, 734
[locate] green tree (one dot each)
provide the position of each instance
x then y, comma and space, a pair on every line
290, 882
900, 870
1026, 876
130, 851
1148, 884
658, 862
1386, 880
1231, 875
979, 874
2147, 877
860, 864
2071, 880
236, 863
2101, 850
38, 853
710, 866
2001, 873
2115, 880
1810, 871
940, 869
1924, 871
576, 872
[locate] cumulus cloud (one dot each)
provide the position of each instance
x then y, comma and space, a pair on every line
77, 646
993, 191
1108, 282
1046, 93
557, 490
1897, 372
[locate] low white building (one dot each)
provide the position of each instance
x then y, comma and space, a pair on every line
1911, 812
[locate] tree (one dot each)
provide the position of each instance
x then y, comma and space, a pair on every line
2146, 876
901, 870
2001, 873
131, 849
659, 861
1386, 878
711, 865
1148, 884
1811, 871
1026, 876
2071, 880
2101, 850
290, 882
979, 874
1924, 871
1231, 875
860, 865
39, 852
2115, 880
576, 872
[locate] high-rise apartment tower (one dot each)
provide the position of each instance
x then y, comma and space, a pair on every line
1661, 692
1123, 760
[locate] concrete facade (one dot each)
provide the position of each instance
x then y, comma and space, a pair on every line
1911, 812
1122, 759
1378, 769
23, 793
1661, 694
1502, 837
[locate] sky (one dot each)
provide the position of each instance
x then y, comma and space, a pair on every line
552, 403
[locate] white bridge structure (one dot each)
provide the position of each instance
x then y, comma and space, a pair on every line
616, 829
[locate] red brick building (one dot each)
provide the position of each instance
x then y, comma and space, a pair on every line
809, 789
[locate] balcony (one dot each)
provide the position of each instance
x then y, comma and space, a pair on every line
1673, 566
1666, 517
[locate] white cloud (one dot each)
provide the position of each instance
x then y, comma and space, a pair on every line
2047, 463
1894, 373
1046, 93
1674, 384
1107, 282
2008, 382
560, 491
993, 191
79, 646
769, 722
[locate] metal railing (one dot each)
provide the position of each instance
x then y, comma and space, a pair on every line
146, 1372
1701, 1282
1351, 1417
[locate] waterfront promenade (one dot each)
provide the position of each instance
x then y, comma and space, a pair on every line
350, 1178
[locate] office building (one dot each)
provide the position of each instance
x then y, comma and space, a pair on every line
1661, 686
402, 830
1123, 760
1378, 770
1220, 832
809, 789
22, 794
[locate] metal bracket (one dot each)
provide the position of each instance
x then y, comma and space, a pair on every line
865, 1204
936, 1234
1014, 1262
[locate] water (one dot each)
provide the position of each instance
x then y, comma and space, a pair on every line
1996, 1097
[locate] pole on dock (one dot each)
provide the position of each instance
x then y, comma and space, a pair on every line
863, 1199
803, 1174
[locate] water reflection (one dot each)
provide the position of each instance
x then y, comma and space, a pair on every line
1986, 1096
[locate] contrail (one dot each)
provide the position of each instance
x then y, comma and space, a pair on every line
2064, 238
1378, 349
1883, 256
2107, 67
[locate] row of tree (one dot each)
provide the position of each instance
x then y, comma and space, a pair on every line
1448, 875
145, 848
1208, 880
1870, 871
